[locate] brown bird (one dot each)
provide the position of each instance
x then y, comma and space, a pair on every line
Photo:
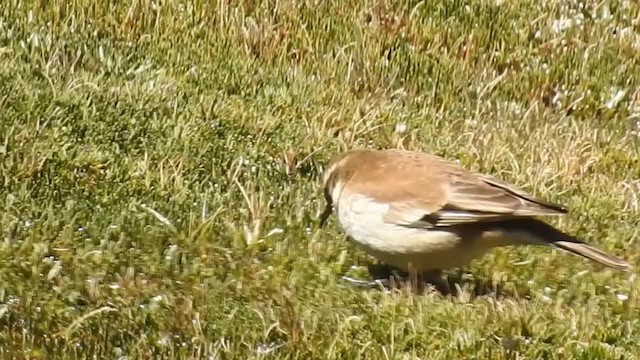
421, 212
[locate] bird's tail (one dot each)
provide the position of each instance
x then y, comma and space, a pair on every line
534, 231
590, 252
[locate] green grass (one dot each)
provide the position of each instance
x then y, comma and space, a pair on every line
160, 165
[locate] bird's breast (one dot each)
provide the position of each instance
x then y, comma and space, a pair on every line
362, 218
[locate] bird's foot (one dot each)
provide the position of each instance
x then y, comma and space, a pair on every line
383, 284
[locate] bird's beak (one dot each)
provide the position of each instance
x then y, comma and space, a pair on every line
325, 214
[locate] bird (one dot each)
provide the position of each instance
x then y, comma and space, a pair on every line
423, 213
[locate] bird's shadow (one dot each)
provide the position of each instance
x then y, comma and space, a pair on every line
447, 284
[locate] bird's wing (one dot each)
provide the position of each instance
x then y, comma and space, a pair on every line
478, 198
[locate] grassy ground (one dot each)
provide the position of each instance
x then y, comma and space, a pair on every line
160, 164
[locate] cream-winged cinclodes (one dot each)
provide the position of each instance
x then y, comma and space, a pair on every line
421, 212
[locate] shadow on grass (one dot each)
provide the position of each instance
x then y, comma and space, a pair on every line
452, 283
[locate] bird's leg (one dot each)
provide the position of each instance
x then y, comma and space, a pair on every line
415, 279
413, 276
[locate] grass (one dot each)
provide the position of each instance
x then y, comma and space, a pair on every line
160, 165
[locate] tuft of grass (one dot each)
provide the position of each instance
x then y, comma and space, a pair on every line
160, 164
